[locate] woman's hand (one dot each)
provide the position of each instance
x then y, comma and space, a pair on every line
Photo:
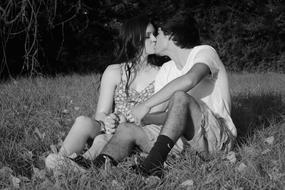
111, 122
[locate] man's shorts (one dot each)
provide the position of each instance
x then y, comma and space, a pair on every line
212, 135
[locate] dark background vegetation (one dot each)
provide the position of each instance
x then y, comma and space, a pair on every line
50, 37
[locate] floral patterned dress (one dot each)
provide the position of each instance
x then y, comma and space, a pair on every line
124, 103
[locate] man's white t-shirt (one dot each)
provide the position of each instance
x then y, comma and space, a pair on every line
213, 90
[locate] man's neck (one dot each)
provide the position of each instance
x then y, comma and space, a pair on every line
179, 56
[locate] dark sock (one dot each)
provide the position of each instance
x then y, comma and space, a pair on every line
158, 154
101, 159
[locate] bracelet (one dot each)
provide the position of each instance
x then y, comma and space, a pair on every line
102, 125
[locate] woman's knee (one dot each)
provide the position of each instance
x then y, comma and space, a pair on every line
85, 123
83, 120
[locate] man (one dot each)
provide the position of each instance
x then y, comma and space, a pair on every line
195, 85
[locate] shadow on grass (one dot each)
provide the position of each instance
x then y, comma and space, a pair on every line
254, 112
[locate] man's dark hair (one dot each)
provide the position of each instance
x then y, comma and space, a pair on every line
183, 29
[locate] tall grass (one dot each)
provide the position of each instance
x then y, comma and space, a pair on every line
36, 113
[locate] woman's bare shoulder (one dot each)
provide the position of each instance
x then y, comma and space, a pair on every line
113, 68
112, 72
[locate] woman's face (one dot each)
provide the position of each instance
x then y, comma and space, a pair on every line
150, 39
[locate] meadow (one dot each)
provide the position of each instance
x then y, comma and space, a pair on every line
36, 113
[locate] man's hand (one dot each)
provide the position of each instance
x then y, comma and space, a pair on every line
139, 111
157, 118
122, 118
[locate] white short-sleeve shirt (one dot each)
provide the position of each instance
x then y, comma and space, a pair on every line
213, 90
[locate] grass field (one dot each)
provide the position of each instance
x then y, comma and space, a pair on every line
36, 113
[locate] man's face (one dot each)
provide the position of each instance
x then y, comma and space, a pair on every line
161, 43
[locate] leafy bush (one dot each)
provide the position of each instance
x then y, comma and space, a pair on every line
78, 36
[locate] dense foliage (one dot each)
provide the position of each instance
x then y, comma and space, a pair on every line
50, 36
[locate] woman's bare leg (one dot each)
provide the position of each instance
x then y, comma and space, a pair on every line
82, 129
98, 144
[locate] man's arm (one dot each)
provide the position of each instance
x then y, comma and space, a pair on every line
157, 118
183, 83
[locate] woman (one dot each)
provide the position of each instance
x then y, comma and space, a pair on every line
123, 85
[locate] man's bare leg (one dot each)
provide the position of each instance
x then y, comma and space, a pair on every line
184, 118
121, 144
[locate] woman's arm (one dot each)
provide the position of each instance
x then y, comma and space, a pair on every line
110, 78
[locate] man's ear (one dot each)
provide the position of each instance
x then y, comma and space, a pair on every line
170, 39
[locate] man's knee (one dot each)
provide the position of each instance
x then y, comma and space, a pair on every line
181, 98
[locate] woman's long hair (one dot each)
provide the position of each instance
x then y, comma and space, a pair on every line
131, 44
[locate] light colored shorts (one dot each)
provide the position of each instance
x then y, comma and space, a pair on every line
212, 136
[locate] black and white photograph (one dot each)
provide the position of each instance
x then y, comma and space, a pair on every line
145, 94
